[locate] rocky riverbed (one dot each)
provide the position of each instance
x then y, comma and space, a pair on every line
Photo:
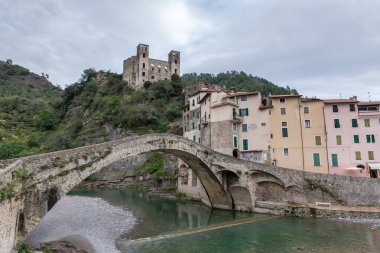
95, 225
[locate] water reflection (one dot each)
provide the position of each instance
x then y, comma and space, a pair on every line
159, 215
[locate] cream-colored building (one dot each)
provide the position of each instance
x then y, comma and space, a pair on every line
298, 135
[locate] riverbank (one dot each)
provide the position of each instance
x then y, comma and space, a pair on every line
86, 219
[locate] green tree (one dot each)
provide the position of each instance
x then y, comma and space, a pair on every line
46, 119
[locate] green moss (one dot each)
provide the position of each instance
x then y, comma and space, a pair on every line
20, 173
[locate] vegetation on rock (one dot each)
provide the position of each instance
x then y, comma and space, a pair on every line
37, 117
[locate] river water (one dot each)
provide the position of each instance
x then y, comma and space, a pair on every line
172, 225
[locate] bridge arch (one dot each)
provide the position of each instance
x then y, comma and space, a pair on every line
55, 174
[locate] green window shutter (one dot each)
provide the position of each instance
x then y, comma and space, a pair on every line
373, 138
368, 137
334, 158
284, 132
193, 125
336, 123
235, 142
317, 161
245, 144
240, 112
354, 123
356, 138
247, 111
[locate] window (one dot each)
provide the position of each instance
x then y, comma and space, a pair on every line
318, 140
370, 138
263, 124
283, 111
175, 71
307, 123
245, 144
175, 61
284, 129
282, 100
356, 138
244, 128
143, 55
194, 138
193, 125
367, 123
243, 98
336, 123
352, 107
335, 108
199, 126
185, 129
193, 113
371, 156
193, 102
334, 160
199, 139
235, 142
286, 152
358, 155
198, 99
152, 69
316, 159
198, 115
234, 127
143, 73
354, 122
143, 65
243, 112
152, 77
338, 140
306, 110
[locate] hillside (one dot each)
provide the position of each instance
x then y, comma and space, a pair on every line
25, 99
36, 116
238, 80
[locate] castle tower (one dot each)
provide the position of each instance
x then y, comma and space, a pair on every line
140, 68
143, 61
174, 62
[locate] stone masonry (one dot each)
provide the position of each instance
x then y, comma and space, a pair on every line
140, 68
228, 182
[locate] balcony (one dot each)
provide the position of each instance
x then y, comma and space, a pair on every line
204, 120
237, 119
224, 101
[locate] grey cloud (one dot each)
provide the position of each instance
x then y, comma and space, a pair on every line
309, 45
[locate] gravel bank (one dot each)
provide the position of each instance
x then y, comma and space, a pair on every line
93, 219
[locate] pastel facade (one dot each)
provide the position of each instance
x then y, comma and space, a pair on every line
298, 138
140, 68
352, 131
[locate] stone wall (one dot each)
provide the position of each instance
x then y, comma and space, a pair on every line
9, 210
54, 174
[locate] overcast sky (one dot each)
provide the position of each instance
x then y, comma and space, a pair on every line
324, 48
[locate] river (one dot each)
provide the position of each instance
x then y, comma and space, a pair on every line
117, 219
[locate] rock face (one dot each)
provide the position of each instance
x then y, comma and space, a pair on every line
123, 173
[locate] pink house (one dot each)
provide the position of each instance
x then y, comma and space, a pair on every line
353, 135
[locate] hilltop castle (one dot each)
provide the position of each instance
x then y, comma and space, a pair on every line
140, 68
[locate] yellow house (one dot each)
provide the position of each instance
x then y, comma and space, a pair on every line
298, 136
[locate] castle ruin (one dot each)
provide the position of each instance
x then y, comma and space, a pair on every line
140, 68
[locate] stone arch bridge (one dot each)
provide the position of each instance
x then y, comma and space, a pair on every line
229, 183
